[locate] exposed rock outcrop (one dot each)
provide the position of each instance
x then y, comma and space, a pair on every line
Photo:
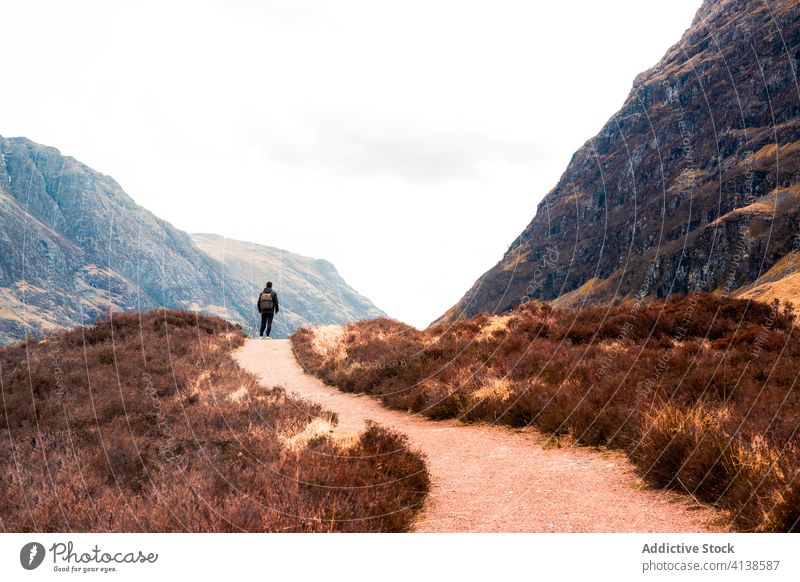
692, 186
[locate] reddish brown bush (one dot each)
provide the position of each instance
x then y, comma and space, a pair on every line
146, 423
701, 391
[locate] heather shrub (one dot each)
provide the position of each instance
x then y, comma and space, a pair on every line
144, 422
699, 390
671, 454
784, 513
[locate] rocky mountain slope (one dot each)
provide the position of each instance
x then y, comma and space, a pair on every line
310, 291
692, 186
74, 245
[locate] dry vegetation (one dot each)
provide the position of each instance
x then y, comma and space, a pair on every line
145, 423
700, 391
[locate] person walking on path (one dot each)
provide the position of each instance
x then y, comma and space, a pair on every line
267, 306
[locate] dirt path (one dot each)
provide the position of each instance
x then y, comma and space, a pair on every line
493, 479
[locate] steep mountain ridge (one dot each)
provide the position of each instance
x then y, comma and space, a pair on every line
75, 246
691, 186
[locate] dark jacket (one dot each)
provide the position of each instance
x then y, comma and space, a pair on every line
274, 301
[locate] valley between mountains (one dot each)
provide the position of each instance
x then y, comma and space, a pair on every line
630, 364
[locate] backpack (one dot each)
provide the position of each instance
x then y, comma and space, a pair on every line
266, 301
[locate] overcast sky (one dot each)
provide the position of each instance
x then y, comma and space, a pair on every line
408, 142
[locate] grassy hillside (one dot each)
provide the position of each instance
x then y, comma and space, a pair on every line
700, 391
311, 290
145, 423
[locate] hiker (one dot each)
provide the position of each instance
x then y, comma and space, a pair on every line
267, 306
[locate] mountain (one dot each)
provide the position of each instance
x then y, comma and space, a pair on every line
74, 246
691, 186
310, 291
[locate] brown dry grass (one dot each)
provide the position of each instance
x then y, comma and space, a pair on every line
700, 391
145, 423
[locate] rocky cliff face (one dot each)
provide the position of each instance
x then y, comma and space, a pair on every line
692, 186
74, 245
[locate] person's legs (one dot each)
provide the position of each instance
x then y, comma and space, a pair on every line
269, 323
264, 324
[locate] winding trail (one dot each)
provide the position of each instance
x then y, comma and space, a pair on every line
494, 479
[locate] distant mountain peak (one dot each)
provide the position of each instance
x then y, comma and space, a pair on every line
311, 290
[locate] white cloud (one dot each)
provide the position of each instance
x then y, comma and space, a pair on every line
357, 146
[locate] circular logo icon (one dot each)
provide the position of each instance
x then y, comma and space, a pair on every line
31, 555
